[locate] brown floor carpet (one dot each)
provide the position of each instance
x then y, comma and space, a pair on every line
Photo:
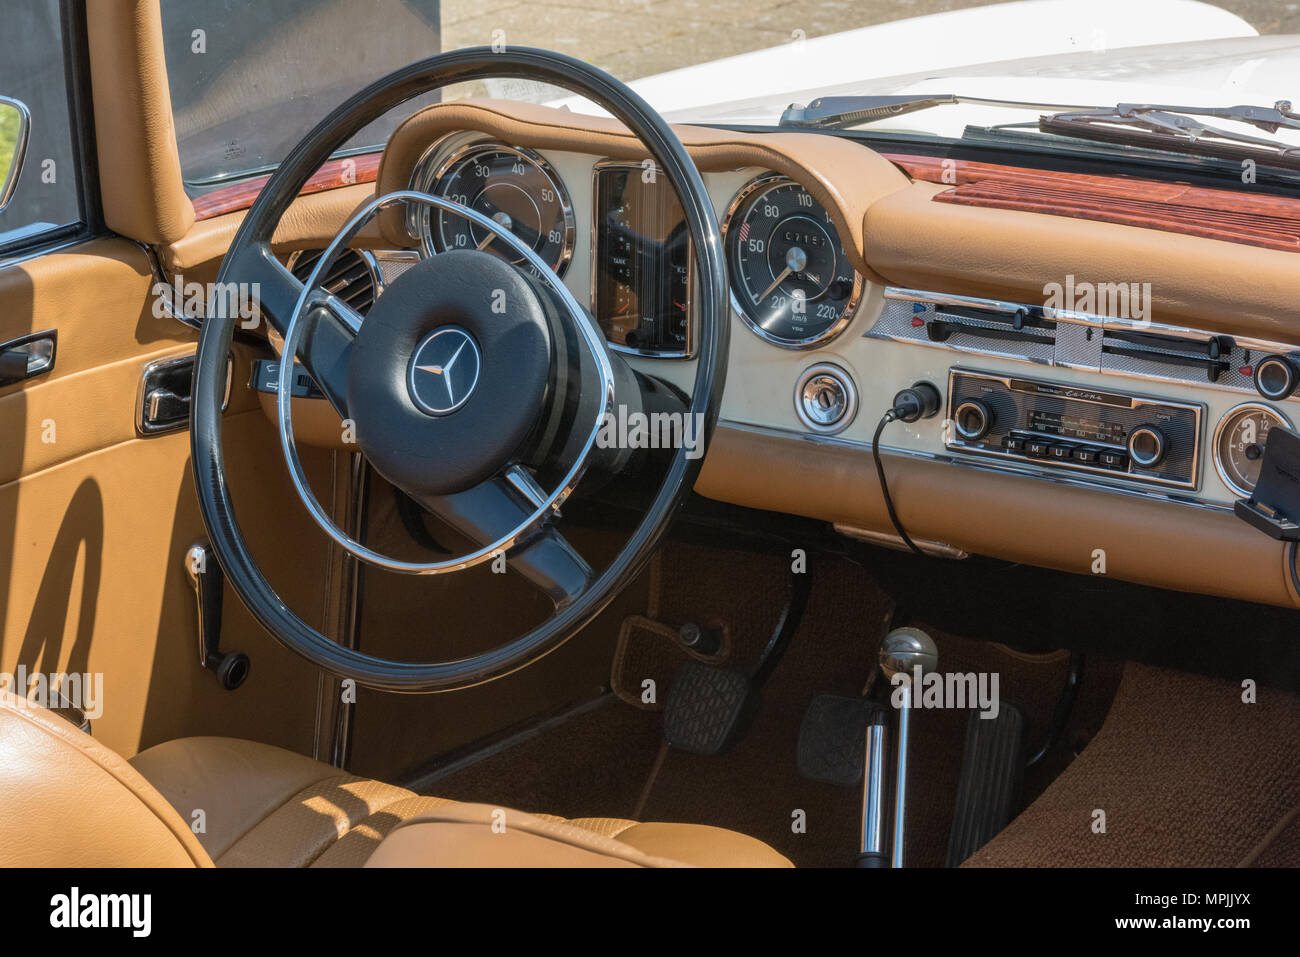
598, 763
1186, 773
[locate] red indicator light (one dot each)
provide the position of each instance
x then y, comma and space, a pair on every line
917, 322
1246, 370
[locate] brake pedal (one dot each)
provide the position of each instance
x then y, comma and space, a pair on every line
832, 738
708, 708
992, 775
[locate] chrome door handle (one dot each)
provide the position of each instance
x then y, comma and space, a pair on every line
163, 401
163, 407
27, 356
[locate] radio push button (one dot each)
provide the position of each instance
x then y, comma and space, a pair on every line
1085, 456
1013, 443
1037, 448
1060, 453
1110, 459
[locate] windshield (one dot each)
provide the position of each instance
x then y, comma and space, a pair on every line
249, 80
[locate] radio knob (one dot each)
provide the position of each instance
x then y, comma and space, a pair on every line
972, 419
1277, 376
1146, 446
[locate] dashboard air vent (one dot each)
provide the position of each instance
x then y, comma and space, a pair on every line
352, 277
1024, 324
1074, 340
1212, 356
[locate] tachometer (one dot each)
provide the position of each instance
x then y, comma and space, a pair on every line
791, 280
515, 187
1239, 444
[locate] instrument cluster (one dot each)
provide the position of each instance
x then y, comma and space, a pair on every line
791, 280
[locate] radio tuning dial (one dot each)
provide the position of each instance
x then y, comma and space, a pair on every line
1146, 446
972, 420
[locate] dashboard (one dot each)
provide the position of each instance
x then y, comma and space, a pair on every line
1069, 424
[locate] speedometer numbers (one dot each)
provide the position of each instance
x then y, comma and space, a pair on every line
791, 280
514, 187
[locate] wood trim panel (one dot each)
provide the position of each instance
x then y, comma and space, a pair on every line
340, 172
1272, 222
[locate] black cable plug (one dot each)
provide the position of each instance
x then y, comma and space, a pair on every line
921, 401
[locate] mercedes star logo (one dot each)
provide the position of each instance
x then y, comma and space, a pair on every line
444, 370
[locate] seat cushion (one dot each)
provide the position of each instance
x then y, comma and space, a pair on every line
480, 835
68, 801
263, 806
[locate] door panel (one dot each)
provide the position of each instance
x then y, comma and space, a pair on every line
95, 519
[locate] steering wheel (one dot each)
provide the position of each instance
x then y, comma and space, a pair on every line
477, 389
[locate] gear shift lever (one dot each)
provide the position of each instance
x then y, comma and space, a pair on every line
902, 652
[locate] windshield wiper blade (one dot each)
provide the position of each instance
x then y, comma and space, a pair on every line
1267, 118
839, 112
1175, 127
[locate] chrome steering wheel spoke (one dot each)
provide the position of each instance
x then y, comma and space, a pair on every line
339, 309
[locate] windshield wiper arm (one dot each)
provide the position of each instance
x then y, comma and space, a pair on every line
1266, 118
839, 112
1148, 125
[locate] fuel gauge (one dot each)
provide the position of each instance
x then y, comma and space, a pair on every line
1239, 444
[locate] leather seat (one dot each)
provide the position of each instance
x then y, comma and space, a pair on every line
72, 802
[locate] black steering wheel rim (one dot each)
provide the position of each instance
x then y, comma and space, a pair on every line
253, 239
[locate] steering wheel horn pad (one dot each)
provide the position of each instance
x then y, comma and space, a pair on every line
413, 422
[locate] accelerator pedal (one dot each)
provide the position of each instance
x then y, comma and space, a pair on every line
992, 776
832, 738
708, 708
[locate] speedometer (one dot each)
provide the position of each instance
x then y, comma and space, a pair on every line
514, 187
791, 280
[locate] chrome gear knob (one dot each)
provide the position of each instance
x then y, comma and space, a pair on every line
903, 649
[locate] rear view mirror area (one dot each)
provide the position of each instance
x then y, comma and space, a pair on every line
14, 124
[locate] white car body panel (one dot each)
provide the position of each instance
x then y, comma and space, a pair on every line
981, 35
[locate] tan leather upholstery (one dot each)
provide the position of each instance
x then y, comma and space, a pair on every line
1008, 254
71, 802
479, 835
267, 807
235, 783
311, 221
143, 195
987, 513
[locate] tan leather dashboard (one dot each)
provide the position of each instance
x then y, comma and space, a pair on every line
897, 236
1148, 542
905, 239
1007, 254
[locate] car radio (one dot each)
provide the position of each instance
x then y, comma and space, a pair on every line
1074, 428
